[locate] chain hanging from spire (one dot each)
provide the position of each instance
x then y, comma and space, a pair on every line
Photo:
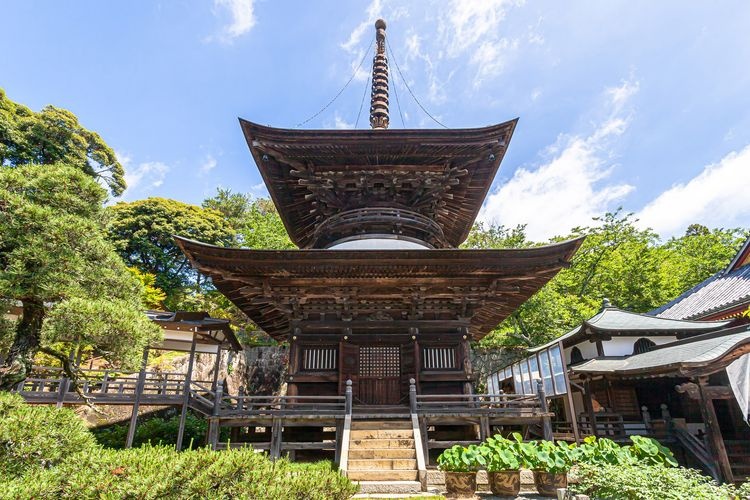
379, 98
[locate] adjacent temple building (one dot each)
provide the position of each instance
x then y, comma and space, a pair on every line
379, 292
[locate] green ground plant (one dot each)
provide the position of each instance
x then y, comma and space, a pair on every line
649, 482
47, 453
159, 472
461, 459
37, 437
156, 430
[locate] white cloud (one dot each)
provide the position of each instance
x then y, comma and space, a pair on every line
340, 123
144, 177
717, 197
241, 18
621, 94
208, 164
490, 58
471, 22
570, 188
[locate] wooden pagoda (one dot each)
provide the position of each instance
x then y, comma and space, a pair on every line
378, 292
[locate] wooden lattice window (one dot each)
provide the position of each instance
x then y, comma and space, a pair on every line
379, 361
439, 358
643, 345
319, 358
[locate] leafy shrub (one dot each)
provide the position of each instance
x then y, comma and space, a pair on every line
502, 454
155, 430
461, 459
160, 472
37, 436
650, 482
547, 456
643, 451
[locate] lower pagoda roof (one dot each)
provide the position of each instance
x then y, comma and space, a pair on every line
280, 290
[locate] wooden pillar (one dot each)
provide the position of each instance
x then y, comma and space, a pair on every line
214, 423
546, 423
217, 367
588, 402
715, 440
468, 388
186, 395
568, 403
137, 401
276, 432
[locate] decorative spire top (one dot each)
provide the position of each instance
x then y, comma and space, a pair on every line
379, 97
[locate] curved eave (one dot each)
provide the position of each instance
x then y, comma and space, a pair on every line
459, 135
443, 142
524, 270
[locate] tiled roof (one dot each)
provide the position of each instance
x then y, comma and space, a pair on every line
721, 291
612, 319
688, 353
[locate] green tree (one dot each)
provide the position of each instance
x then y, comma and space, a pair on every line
699, 254
143, 231
617, 260
256, 221
56, 261
54, 135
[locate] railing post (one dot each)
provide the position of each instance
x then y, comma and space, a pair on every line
646, 417
186, 394
61, 391
413, 395
666, 417
546, 421
343, 454
105, 382
137, 400
348, 397
213, 423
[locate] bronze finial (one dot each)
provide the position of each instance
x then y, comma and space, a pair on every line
379, 97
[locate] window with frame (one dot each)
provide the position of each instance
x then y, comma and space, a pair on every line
318, 359
439, 358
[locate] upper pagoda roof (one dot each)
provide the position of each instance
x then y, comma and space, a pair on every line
312, 175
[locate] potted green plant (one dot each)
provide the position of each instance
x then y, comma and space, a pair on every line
503, 464
550, 463
460, 465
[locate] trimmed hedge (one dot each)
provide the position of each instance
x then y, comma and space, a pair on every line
37, 436
46, 453
160, 472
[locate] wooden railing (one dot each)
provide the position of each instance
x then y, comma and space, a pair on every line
281, 406
50, 385
492, 404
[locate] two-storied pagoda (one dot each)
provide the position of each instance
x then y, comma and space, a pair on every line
379, 292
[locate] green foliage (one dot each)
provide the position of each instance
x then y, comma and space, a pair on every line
648, 482
649, 451
53, 251
644, 451
54, 135
162, 473
152, 296
143, 231
155, 431
461, 459
502, 454
256, 221
617, 260
547, 456
35, 437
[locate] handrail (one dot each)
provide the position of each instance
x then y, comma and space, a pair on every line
698, 450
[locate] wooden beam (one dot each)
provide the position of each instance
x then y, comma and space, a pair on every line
715, 439
137, 401
186, 395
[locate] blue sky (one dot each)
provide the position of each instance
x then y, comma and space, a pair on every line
639, 104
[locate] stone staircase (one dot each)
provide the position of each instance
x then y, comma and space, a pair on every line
382, 457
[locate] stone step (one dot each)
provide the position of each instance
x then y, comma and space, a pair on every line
382, 434
381, 453
388, 464
380, 443
381, 424
389, 487
382, 475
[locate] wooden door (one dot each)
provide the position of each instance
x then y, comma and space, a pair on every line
379, 375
